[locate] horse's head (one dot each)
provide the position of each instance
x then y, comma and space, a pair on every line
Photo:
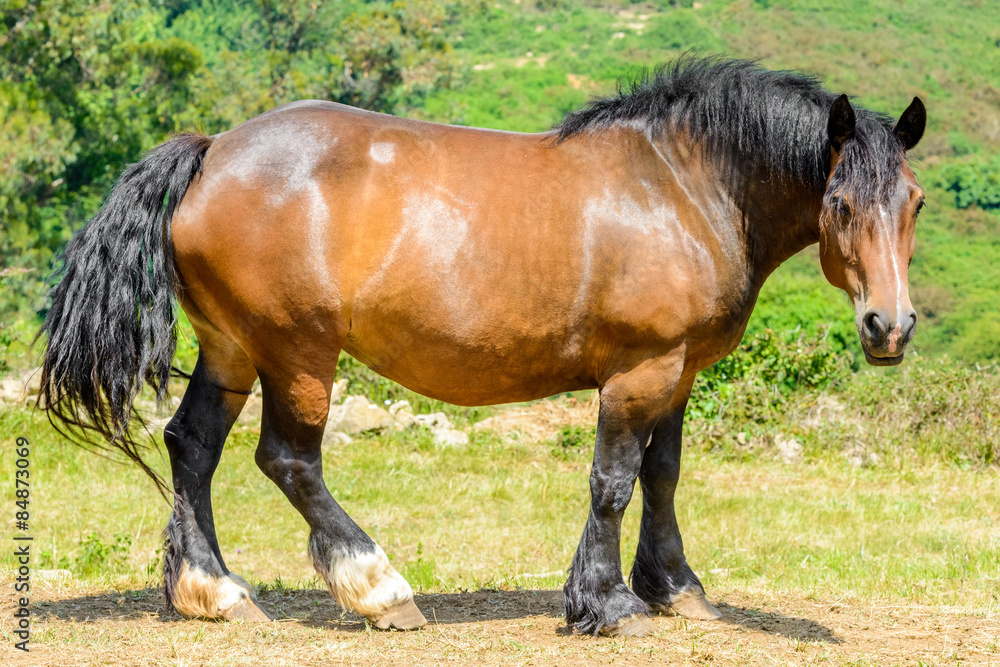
868, 221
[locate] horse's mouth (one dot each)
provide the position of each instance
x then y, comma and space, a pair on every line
883, 361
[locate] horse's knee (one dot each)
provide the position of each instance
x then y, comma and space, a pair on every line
611, 493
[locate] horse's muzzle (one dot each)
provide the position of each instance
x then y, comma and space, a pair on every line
884, 341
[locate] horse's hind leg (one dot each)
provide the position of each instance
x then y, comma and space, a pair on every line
661, 575
356, 570
197, 583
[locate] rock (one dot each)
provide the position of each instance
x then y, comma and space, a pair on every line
356, 415
404, 419
398, 406
450, 437
338, 391
442, 430
252, 410
336, 438
403, 414
12, 391
21, 389
541, 421
32, 381
433, 420
789, 449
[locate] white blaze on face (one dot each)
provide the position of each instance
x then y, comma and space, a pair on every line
383, 153
897, 273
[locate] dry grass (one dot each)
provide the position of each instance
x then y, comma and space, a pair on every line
88, 625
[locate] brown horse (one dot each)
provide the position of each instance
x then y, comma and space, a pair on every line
624, 251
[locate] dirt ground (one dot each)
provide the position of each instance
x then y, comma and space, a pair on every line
523, 627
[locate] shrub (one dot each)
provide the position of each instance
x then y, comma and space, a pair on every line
754, 382
572, 441
974, 181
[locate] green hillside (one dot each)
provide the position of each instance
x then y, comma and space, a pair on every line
86, 87
526, 66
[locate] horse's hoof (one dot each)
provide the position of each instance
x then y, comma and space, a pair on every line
638, 625
247, 610
695, 606
404, 616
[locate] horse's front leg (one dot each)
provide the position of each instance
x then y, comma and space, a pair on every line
661, 575
597, 598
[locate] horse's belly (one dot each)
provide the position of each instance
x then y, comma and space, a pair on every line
471, 369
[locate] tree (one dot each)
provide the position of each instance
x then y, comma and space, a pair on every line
88, 86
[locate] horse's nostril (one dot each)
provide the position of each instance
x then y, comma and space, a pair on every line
873, 324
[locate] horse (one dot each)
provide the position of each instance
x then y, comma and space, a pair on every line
622, 250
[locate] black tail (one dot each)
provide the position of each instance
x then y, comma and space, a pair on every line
111, 322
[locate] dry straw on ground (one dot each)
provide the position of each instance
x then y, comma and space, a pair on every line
79, 626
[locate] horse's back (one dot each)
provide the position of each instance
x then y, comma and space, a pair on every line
431, 251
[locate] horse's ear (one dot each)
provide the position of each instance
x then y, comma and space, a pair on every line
911, 124
840, 127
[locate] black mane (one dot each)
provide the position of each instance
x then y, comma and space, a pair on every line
755, 122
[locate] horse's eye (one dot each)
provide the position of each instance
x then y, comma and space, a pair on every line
920, 207
843, 208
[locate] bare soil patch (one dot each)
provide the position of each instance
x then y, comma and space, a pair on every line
542, 420
524, 627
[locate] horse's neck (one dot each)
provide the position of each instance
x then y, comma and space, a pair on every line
778, 222
764, 227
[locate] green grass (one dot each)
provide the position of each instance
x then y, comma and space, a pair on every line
503, 513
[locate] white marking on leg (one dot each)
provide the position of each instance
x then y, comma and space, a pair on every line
200, 595
366, 583
383, 153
